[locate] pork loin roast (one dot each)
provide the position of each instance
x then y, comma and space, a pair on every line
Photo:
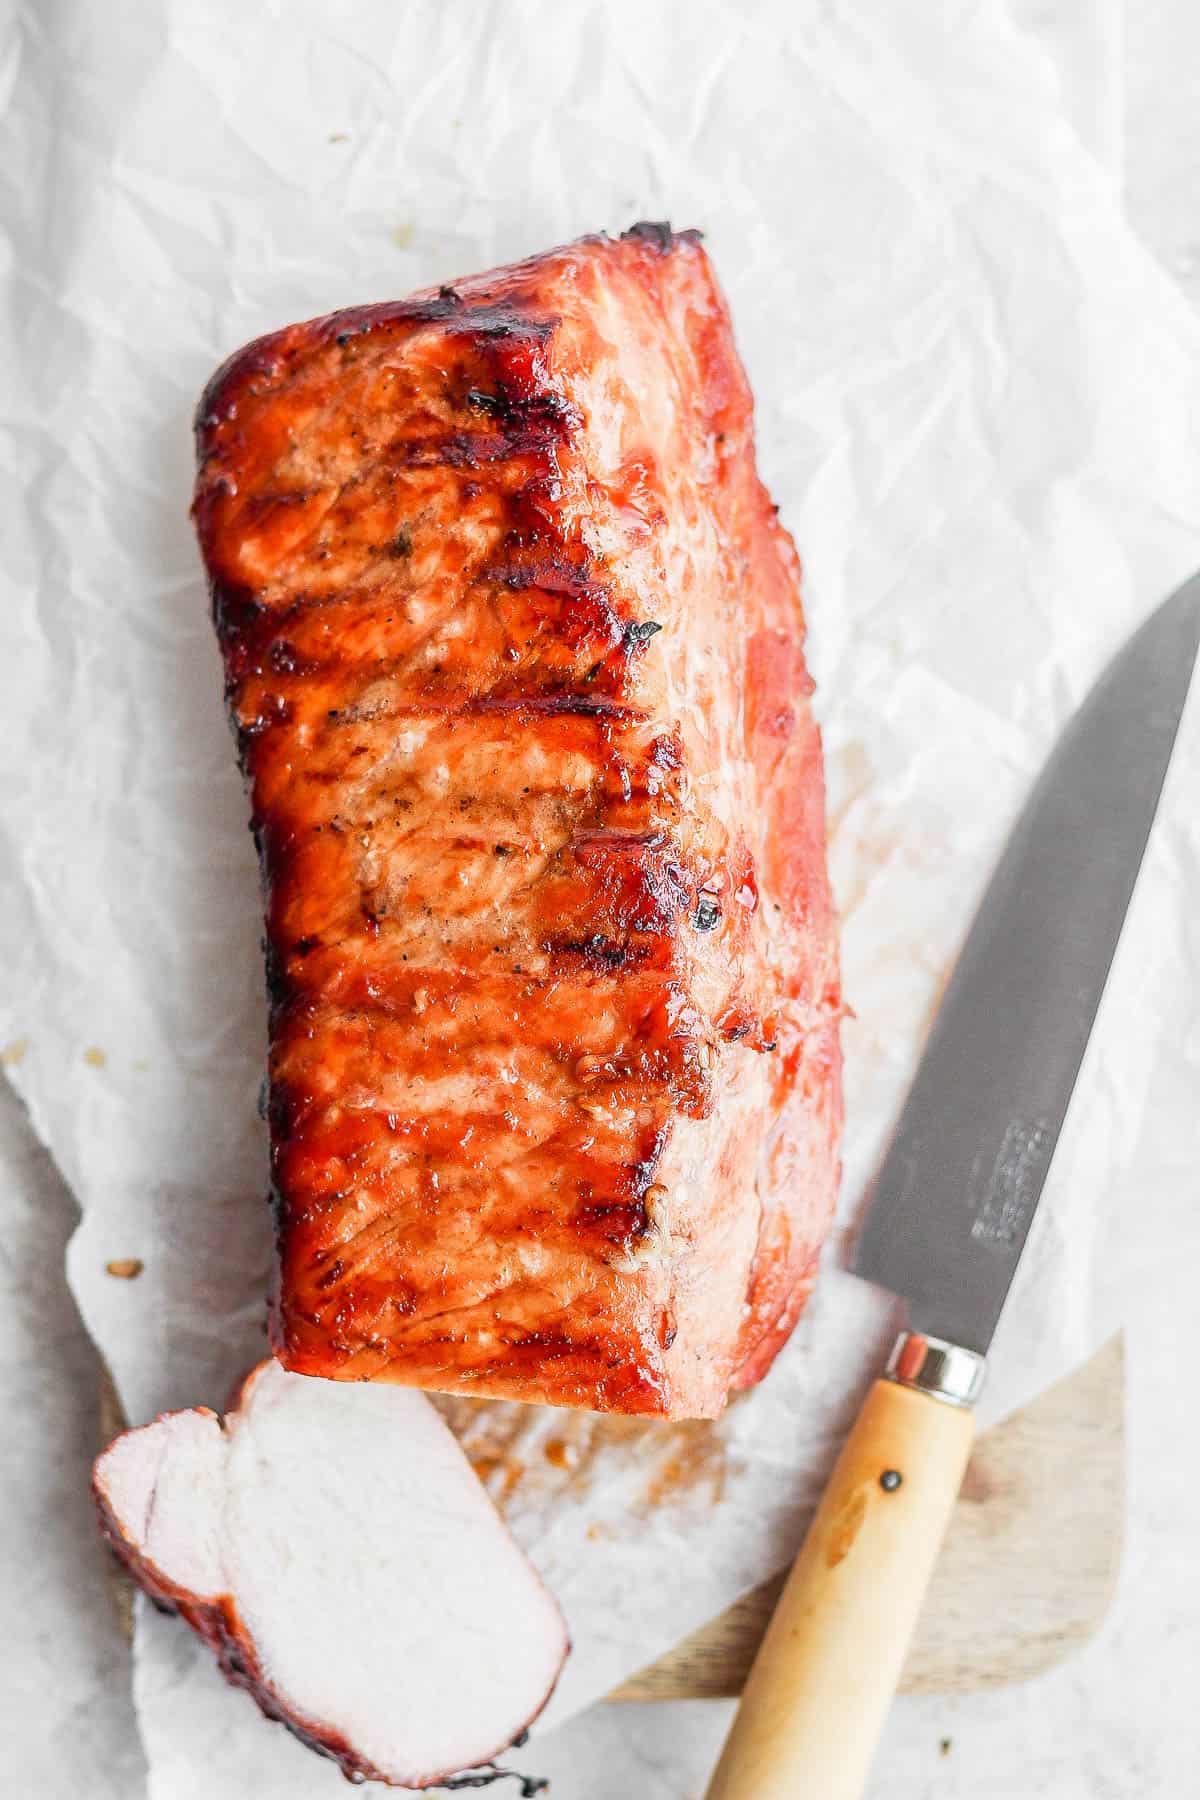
335, 1549
514, 651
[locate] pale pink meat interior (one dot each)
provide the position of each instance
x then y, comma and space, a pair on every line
383, 1598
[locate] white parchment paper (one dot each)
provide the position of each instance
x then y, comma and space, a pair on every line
977, 408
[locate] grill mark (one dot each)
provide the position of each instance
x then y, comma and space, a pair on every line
587, 706
580, 1211
616, 884
470, 449
625, 1079
549, 570
523, 708
589, 672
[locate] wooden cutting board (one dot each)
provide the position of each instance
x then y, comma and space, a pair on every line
1027, 1573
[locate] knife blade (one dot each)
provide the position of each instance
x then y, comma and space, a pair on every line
959, 1185
952, 1208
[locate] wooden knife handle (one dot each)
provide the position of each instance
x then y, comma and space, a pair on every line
820, 1687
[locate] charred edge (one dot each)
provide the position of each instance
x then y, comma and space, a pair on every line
528, 415
589, 706
548, 571
253, 637
236, 611
256, 826
265, 359
273, 709
281, 1110
504, 320
658, 232
245, 632
278, 985
490, 1772
475, 449
262, 359
539, 411
601, 954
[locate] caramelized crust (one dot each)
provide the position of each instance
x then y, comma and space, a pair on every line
513, 644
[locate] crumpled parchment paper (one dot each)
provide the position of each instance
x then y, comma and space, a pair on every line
977, 405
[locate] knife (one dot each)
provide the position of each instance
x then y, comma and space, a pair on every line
952, 1207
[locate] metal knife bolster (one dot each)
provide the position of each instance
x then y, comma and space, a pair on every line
937, 1367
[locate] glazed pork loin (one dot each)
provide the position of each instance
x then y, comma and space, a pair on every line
514, 651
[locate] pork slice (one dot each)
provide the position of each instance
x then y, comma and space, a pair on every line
334, 1548
513, 645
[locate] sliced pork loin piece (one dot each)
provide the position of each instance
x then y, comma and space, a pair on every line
513, 645
333, 1546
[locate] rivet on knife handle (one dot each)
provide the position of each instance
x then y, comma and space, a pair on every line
826, 1672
